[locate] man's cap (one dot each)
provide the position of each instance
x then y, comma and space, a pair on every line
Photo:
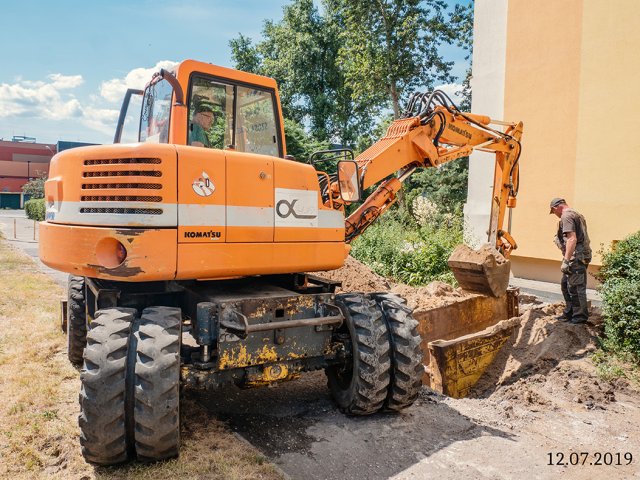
556, 202
206, 106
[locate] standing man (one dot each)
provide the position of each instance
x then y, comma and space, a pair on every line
573, 240
203, 119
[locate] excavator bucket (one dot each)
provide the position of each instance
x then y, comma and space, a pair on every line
483, 271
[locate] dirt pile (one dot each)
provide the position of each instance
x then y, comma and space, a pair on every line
358, 277
434, 295
547, 366
485, 255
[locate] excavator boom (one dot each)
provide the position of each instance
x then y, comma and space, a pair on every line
433, 131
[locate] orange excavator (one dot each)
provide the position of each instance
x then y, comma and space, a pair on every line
187, 250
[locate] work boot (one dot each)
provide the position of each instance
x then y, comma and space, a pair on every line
577, 321
563, 318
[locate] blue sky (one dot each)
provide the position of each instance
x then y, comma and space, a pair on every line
66, 63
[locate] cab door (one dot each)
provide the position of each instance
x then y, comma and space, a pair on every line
249, 211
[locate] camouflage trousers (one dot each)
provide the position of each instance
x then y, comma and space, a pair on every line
574, 291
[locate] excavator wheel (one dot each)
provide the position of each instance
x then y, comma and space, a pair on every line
102, 394
130, 394
360, 387
76, 320
406, 351
156, 383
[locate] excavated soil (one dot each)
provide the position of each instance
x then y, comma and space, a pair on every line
547, 364
485, 255
358, 277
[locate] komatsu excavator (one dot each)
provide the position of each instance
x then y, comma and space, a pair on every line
187, 263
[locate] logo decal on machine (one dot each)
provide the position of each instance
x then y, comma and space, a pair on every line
296, 208
212, 234
291, 209
203, 186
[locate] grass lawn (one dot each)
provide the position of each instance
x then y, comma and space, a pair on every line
39, 391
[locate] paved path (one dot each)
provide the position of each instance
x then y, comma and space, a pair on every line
550, 292
19, 231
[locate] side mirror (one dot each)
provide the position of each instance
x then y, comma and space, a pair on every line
348, 181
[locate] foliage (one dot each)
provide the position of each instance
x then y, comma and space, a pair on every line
300, 145
390, 47
35, 209
300, 52
445, 186
35, 187
620, 277
398, 247
340, 68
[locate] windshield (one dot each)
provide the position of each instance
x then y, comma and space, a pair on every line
224, 115
156, 112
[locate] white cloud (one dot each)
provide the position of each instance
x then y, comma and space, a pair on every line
65, 81
54, 99
113, 90
41, 99
453, 90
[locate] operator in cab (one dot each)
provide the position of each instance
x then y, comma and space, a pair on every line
204, 117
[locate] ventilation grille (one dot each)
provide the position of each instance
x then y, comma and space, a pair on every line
127, 176
123, 161
147, 186
123, 211
123, 173
120, 198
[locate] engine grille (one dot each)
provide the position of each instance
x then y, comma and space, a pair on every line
133, 186
123, 161
124, 175
124, 211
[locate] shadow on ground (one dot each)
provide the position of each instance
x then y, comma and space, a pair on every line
298, 427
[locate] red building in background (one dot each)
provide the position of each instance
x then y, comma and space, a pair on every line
19, 161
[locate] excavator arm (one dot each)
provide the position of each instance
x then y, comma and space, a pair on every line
432, 132
438, 134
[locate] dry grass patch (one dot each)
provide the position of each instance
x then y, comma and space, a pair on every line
39, 391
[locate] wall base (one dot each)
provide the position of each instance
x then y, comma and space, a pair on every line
546, 270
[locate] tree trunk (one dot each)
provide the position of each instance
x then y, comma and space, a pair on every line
395, 100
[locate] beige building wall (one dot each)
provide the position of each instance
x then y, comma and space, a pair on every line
571, 73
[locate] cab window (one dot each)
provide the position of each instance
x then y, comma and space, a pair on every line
211, 114
224, 115
156, 112
256, 126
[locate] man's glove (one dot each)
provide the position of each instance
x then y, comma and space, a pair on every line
565, 267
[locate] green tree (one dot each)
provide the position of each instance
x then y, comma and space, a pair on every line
35, 187
300, 144
300, 52
390, 47
446, 186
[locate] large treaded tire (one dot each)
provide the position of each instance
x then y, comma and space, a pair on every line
102, 394
157, 384
76, 320
361, 387
406, 351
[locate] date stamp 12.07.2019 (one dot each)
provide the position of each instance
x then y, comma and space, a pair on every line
589, 458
